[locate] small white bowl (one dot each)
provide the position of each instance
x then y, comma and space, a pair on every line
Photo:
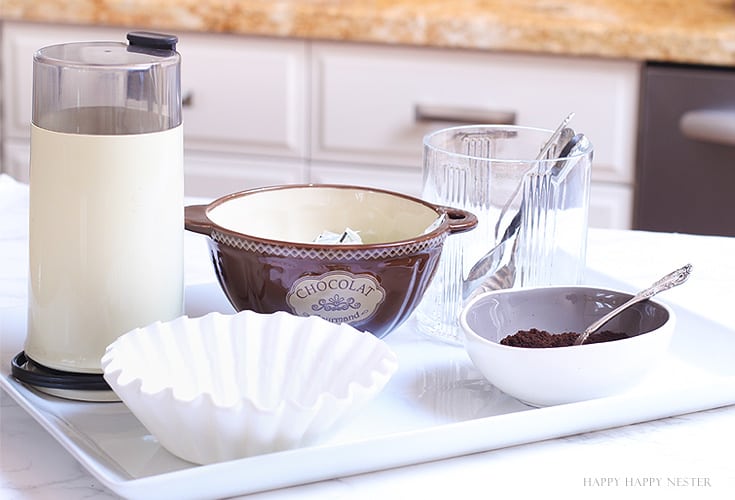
557, 375
223, 387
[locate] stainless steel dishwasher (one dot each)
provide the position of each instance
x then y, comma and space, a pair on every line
685, 172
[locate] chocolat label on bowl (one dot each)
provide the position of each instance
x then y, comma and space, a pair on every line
337, 296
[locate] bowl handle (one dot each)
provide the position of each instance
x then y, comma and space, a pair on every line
196, 220
459, 220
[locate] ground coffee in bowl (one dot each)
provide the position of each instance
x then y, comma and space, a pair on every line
541, 338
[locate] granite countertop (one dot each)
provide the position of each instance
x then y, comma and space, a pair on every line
696, 31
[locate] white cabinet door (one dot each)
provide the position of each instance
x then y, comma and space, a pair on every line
17, 159
365, 100
211, 175
19, 42
263, 111
244, 94
399, 179
611, 206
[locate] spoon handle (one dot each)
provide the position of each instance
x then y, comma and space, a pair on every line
671, 280
541, 155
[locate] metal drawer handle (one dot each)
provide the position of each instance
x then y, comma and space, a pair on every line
456, 114
709, 125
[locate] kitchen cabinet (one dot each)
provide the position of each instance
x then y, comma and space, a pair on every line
244, 105
611, 205
19, 42
368, 101
260, 111
210, 174
244, 94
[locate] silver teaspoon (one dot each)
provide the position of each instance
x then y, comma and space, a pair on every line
671, 280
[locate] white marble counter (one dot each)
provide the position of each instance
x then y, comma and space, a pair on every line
693, 451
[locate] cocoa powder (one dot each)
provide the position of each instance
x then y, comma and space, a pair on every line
541, 338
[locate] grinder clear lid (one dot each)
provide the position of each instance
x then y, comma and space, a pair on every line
108, 88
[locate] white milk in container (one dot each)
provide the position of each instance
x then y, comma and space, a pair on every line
106, 197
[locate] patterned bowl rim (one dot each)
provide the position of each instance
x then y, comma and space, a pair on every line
453, 221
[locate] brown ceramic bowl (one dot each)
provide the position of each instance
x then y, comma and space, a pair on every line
265, 258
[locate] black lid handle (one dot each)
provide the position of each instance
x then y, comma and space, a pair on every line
150, 40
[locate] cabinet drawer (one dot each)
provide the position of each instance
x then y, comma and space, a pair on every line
402, 180
244, 94
212, 175
17, 160
241, 94
365, 99
611, 206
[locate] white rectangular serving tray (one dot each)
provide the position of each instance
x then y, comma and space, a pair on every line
436, 406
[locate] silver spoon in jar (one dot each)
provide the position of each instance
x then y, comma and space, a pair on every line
564, 134
480, 278
671, 280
